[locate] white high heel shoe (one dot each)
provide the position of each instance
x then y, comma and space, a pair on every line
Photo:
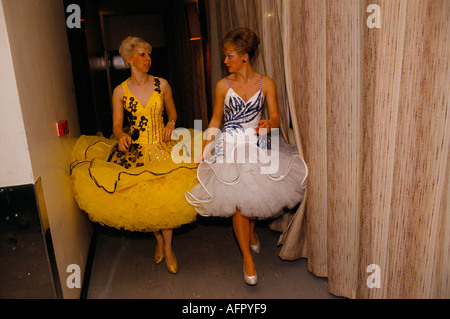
256, 248
250, 280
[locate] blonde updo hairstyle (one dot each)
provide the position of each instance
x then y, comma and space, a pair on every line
129, 45
243, 40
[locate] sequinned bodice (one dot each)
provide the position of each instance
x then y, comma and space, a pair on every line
240, 115
146, 125
240, 120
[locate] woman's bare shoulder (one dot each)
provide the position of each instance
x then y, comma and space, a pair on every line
222, 86
118, 90
165, 86
267, 81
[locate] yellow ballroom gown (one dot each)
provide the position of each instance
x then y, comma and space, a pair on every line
143, 189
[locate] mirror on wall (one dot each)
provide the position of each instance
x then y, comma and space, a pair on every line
28, 267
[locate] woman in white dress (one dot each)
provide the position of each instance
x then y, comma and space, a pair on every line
232, 181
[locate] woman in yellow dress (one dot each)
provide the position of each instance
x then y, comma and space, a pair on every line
133, 181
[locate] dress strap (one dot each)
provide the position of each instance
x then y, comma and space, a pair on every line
125, 87
228, 81
157, 84
260, 82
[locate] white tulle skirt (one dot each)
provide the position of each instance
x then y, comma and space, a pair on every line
258, 182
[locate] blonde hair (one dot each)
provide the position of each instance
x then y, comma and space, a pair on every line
244, 41
129, 45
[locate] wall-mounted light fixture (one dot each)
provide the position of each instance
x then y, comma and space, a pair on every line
195, 32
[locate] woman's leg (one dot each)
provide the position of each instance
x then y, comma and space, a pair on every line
253, 238
241, 226
254, 241
159, 251
171, 260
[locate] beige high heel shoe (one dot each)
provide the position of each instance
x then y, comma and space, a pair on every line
250, 280
256, 248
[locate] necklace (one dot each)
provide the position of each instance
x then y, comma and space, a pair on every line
245, 93
138, 84
245, 89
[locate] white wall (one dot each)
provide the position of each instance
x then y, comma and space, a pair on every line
15, 168
42, 78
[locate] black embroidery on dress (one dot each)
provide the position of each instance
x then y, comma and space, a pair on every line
132, 105
135, 152
131, 118
129, 158
124, 163
143, 123
135, 135
157, 85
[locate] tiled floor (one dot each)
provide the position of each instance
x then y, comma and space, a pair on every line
210, 267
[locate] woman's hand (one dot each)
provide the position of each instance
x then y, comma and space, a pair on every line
200, 160
265, 125
124, 143
167, 131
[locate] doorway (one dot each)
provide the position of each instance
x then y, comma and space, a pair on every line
98, 67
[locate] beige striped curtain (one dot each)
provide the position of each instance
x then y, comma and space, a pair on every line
370, 110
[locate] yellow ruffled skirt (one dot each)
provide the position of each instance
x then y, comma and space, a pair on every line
145, 199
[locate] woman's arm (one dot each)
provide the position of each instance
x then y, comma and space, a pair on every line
171, 111
272, 106
217, 117
124, 139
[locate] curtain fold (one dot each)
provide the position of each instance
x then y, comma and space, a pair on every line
370, 111
304, 77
